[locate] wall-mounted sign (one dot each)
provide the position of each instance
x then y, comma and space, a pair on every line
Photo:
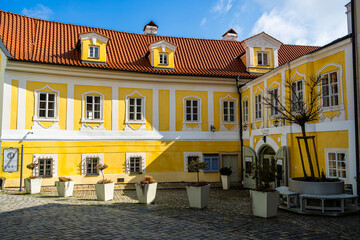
10, 160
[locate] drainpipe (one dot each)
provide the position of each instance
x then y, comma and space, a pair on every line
353, 38
238, 86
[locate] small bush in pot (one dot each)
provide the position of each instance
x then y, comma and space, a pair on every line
65, 187
225, 173
104, 188
146, 190
32, 183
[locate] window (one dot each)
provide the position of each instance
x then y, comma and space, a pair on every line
91, 165
135, 109
262, 58
190, 159
93, 52
45, 167
245, 111
297, 96
274, 100
46, 105
330, 89
163, 58
337, 164
229, 111
213, 162
192, 110
135, 165
93, 107
258, 106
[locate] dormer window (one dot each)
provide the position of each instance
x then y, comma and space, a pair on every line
262, 58
93, 52
163, 58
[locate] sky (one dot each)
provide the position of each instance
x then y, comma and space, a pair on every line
303, 22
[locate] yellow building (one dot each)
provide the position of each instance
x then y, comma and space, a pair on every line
75, 96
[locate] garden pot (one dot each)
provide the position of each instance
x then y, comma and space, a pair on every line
265, 204
65, 189
32, 185
146, 193
104, 192
198, 196
316, 188
225, 180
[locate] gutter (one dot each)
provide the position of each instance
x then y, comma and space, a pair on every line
241, 123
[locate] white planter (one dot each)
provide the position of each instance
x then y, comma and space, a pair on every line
65, 189
225, 180
146, 193
198, 196
33, 185
104, 192
265, 204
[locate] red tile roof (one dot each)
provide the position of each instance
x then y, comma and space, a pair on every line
36, 40
288, 53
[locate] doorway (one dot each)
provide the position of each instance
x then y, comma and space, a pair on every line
231, 161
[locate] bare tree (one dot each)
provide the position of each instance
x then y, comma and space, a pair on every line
298, 109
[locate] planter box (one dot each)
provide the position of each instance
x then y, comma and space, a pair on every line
265, 204
65, 189
33, 185
198, 196
316, 188
104, 192
225, 180
146, 193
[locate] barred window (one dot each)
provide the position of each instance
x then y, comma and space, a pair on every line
91, 165
45, 167
135, 165
190, 159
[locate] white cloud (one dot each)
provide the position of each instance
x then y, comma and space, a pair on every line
305, 22
222, 6
203, 21
39, 11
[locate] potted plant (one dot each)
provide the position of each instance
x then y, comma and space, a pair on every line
32, 183
65, 187
198, 192
265, 199
104, 188
225, 173
146, 190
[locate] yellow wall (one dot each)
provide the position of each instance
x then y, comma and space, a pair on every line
30, 103
258, 89
155, 56
14, 104
261, 68
180, 95
85, 50
218, 113
164, 110
79, 90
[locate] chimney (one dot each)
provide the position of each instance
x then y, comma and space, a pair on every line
151, 29
230, 35
348, 13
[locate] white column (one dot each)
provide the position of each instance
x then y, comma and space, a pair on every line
6, 109
265, 107
156, 109
21, 105
70, 107
172, 110
115, 109
211, 108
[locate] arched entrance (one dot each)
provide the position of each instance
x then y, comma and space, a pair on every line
266, 155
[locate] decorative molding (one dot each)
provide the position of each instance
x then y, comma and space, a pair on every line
163, 44
191, 154
142, 155
100, 121
221, 114
84, 156
93, 36
128, 122
199, 122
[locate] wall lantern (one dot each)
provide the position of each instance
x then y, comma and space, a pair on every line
245, 127
212, 128
276, 122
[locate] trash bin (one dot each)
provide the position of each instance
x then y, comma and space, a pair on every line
2, 182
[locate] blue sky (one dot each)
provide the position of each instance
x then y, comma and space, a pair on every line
306, 22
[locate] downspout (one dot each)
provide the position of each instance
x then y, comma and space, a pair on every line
356, 86
238, 86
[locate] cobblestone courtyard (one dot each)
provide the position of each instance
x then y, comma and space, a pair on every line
47, 216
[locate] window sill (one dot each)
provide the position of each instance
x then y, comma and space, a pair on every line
258, 120
137, 173
45, 176
135, 121
45, 119
229, 123
92, 121
333, 108
92, 175
272, 117
187, 122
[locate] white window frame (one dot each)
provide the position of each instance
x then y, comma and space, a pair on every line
84, 99
228, 114
85, 156
245, 111
191, 154
135, 94
141, 155
93, 55
54, 166
192, 110
264, 55
273, 111
163, 59
336, 151
297, 93
37, 105
135, 109
93, 108
330, 89
258, 107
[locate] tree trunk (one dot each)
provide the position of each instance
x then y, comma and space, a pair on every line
308, 151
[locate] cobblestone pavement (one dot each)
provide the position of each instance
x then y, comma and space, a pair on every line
46, 216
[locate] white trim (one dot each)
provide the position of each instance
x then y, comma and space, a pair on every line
336, 151
155, 115
70, 107
129, 155
165, 56
172, 117
269, 141
94, 52
163, 44
84, 126
199, 122
84, 156
221, 114
54, 158
6, 106
115, 109
191, 154
21, 105
211, 113
93, 35
128, 122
